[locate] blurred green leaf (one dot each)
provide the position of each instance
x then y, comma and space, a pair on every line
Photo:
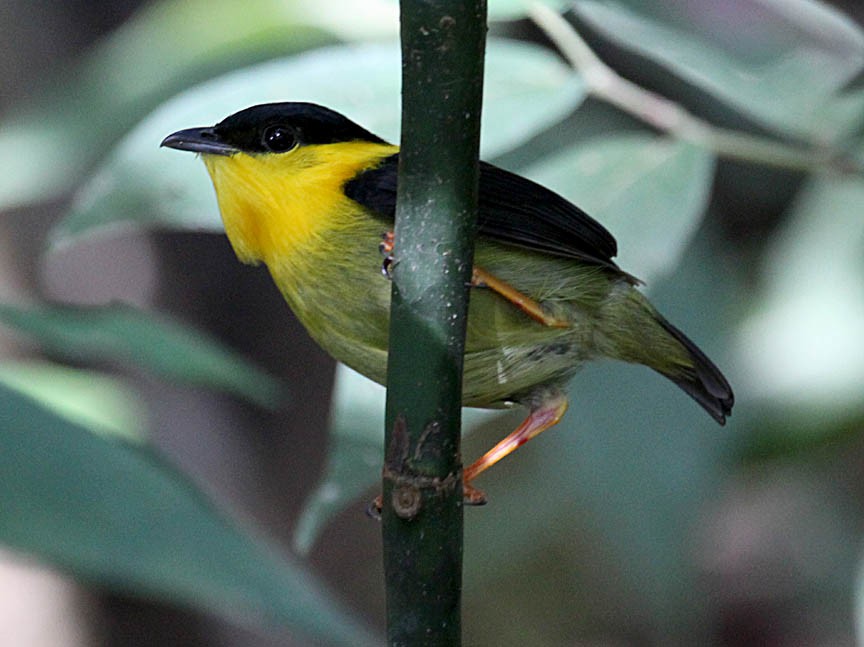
795, 433
115, 515
354, 458
47, 145
121, 333
803, 344
787, 73
356, 438
650, 192
515, 9
92, 400
527, 90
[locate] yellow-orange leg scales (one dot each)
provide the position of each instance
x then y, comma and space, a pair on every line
540, 419
543, 416
482, 279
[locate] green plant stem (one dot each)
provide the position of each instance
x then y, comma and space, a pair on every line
443, 44
665, 115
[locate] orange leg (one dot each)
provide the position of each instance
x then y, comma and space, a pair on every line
482, 278
543, 416
547, 414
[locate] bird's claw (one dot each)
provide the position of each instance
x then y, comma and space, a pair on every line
373, 510
385, 247
472, 496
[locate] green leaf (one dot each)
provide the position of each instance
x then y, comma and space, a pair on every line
92, 400
356, 448
517, 9
786, 432
116, 515
527, 90
802, 345
784, 63
121, 333
356, 438
84, 107
649, 192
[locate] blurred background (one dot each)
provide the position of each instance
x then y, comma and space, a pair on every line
176, 467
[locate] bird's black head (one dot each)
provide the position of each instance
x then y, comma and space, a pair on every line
271, 128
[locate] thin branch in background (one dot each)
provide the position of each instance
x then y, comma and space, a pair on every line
667, 116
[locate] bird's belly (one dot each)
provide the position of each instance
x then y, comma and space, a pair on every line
348, 317
507, 354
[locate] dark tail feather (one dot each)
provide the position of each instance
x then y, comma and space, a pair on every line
704, 382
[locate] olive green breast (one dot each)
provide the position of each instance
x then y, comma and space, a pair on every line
341, 296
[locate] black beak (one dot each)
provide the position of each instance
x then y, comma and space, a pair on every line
198, 140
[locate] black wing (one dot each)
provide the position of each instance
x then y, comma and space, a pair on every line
512, 210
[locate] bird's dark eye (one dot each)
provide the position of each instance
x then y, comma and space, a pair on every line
278, 139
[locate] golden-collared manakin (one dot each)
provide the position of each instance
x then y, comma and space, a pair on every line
310, 194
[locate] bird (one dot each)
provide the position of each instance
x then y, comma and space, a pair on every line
312, 195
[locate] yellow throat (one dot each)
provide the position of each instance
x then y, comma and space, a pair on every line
275, 207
